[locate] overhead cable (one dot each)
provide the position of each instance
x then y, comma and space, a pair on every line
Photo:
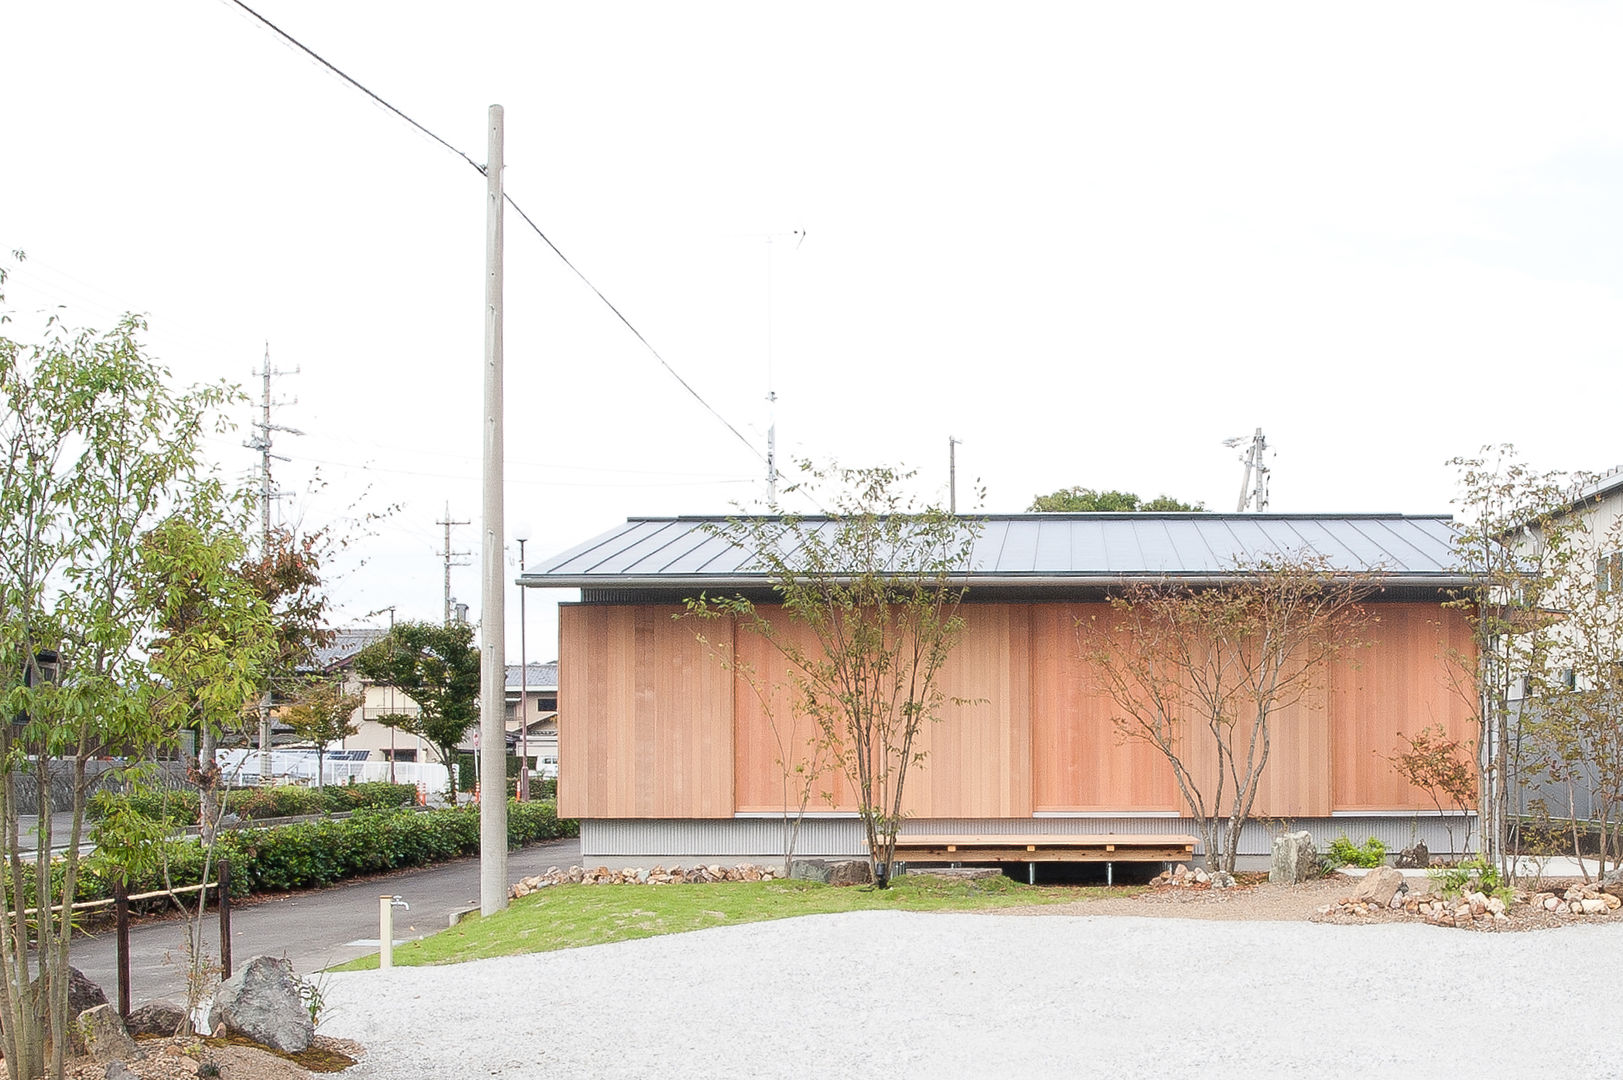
324, 62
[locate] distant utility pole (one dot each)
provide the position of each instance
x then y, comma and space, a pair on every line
493, 570
1254, 485
447, 554
952, 474
263, 430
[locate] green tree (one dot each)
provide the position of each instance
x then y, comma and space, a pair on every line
878, 582
323, 713
1081, 500
215, 639
1202, 672
436, 666
95, 449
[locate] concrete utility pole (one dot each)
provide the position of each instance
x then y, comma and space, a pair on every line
492, 610
952, 474
447, 554
1255, 470
261, 442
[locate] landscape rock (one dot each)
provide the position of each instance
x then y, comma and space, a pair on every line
1378, 886
261, 1002
1295, 859
82, 993
99, 1032
659, 875
157, 1018
117, 1070
1417, 857
1222, 879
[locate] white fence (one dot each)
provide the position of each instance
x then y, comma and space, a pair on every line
242, 767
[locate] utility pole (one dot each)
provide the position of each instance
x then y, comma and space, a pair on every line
952, 474
492, 609
447, 554
1254, 484
261, 441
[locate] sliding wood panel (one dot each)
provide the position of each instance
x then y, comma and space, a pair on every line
645, 716
1081, 762
1407, 679
977, 760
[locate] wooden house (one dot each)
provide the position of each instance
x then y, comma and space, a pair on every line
667, 757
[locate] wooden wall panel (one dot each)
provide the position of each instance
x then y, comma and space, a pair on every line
1080, 763
1401, 683
978, 755
654, 726
760, 749
647, 715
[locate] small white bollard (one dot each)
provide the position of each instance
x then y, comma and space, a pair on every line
386, 905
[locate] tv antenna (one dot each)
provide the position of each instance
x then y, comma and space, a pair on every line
799, 237
1254, 487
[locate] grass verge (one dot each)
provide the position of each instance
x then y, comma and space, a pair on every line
572, 916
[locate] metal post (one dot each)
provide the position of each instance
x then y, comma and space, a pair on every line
385, 932
493, 669
225, 918
523, 691
121, 915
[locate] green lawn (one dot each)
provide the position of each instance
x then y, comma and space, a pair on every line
570, 916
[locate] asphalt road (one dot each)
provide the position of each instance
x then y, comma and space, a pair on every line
314, 929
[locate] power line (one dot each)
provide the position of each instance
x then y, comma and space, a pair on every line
324, 62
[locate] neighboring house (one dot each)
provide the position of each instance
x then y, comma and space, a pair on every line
1593, 526
666, 757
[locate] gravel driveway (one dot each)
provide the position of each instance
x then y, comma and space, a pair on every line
899, 995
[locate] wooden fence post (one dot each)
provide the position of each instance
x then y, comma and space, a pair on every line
121, 910
225, 918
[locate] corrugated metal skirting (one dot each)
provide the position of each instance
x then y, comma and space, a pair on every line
637, 841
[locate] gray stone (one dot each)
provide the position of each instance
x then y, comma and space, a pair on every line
853, 872
117, 1070
1417, 857
261, 1002
1295, 859
99, 1032
809, 870
832, 872
1378, 886
1222, 879
158, 1018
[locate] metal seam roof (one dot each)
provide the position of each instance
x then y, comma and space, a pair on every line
1098, 548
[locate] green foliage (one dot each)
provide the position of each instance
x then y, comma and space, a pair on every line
117, 616
318, 853
1478, 875
437, 666
180, 807
1370, 854
1081, 500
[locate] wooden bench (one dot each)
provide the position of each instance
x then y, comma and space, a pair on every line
1090, 847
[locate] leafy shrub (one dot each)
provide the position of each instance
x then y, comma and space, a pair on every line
180, 807
1476, 875
1343, 852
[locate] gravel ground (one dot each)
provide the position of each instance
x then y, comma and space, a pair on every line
897, 995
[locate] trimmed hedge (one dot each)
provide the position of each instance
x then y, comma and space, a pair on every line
181, 806
312, 854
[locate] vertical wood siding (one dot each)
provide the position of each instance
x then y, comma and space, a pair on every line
654, 726
647, 715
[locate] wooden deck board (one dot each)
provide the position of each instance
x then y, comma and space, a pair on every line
1089, 847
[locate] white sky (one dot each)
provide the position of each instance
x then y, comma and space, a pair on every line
1090, 240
